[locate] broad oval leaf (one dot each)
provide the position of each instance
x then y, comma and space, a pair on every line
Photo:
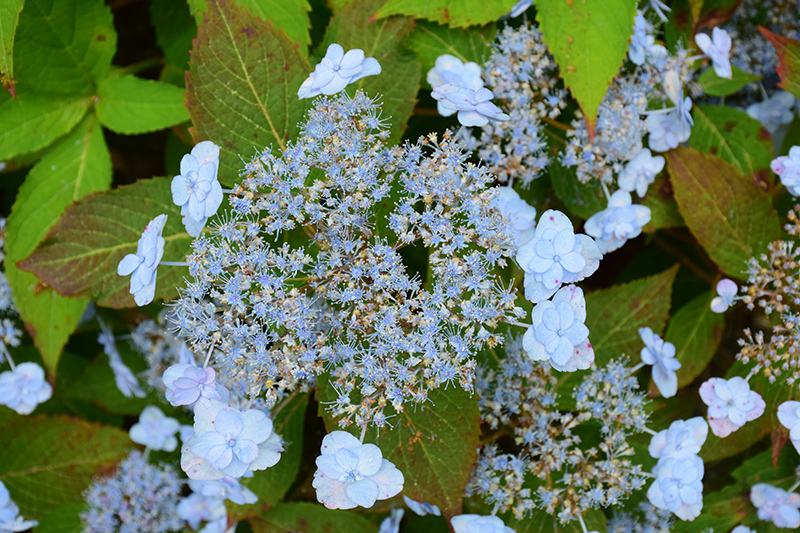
696, 332
57, 452
713, 85
254, 104
454, 13
735, 137
77, 165
589, 41
131, 105
9, 16
731, 217
582, 199
81, 253
78, 37
660, 200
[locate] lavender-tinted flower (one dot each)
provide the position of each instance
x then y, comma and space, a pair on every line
774, 112
451, 70
667, 131
333, 292
142, 265
522, 76
718, 49
620, 221
226, 488
187, 383
730, 403
519, 8
197, 508
521, 214
24, 387
661, 356
726, 295
474, 107
155, 430
789, 417
679, 487
640, 172
391, 524
126, 381
196, 189
337, 70
788, 170
473, 523
423, 508
643, 41
776, 505
682, 439
351, 474
137, 498
10, 520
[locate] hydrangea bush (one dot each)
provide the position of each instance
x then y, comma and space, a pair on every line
400, 266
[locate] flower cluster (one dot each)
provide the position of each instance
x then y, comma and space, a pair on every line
678, 486
308, 275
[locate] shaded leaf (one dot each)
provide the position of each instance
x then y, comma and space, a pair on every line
401, 71
722, 510
713, 85
309, 518
9, 16
731, 217
175, 28
81, 253
79, 39
434, 447
696, 331
454, 13
77, 165
291, 16
130, 105
254, 104
49, 461
660, 200
430, 40
64, 519
272, 484
733, 136
614, 315
582, 199
789, 56
32, 122
589, 41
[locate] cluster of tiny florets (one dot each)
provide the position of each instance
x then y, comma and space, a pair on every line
307, 274
138, 497
520, 395
773, 284
522, 76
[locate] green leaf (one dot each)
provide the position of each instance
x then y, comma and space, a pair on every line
696, 331
175, 28
32, 122
80, 255
541, 522
310, 518
77, 165
733, 136
64, 519
272, 485
78, 37
289, 15
430, 40
49, 461
255, 104
660, 200
454, 13
589, 41
581, 199
713, 85
722, 510
614, 315
434, 447
400, 81
789, 56
731, 217
9, 16
131, 105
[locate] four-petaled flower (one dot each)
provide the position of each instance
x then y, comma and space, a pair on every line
789, 417
661, 355
155, 430
142, 265
640, 172
682, 439
449, 70
196, 189
556, 256
667, 131
521, 214
473, 106
228, 442
473, 523
337, 70
558, 333
774, 112
718, 49
24, 387
351, 474
679, 487
776, 505
187, 383
731, 403
787, 167
726, 291
620, 221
